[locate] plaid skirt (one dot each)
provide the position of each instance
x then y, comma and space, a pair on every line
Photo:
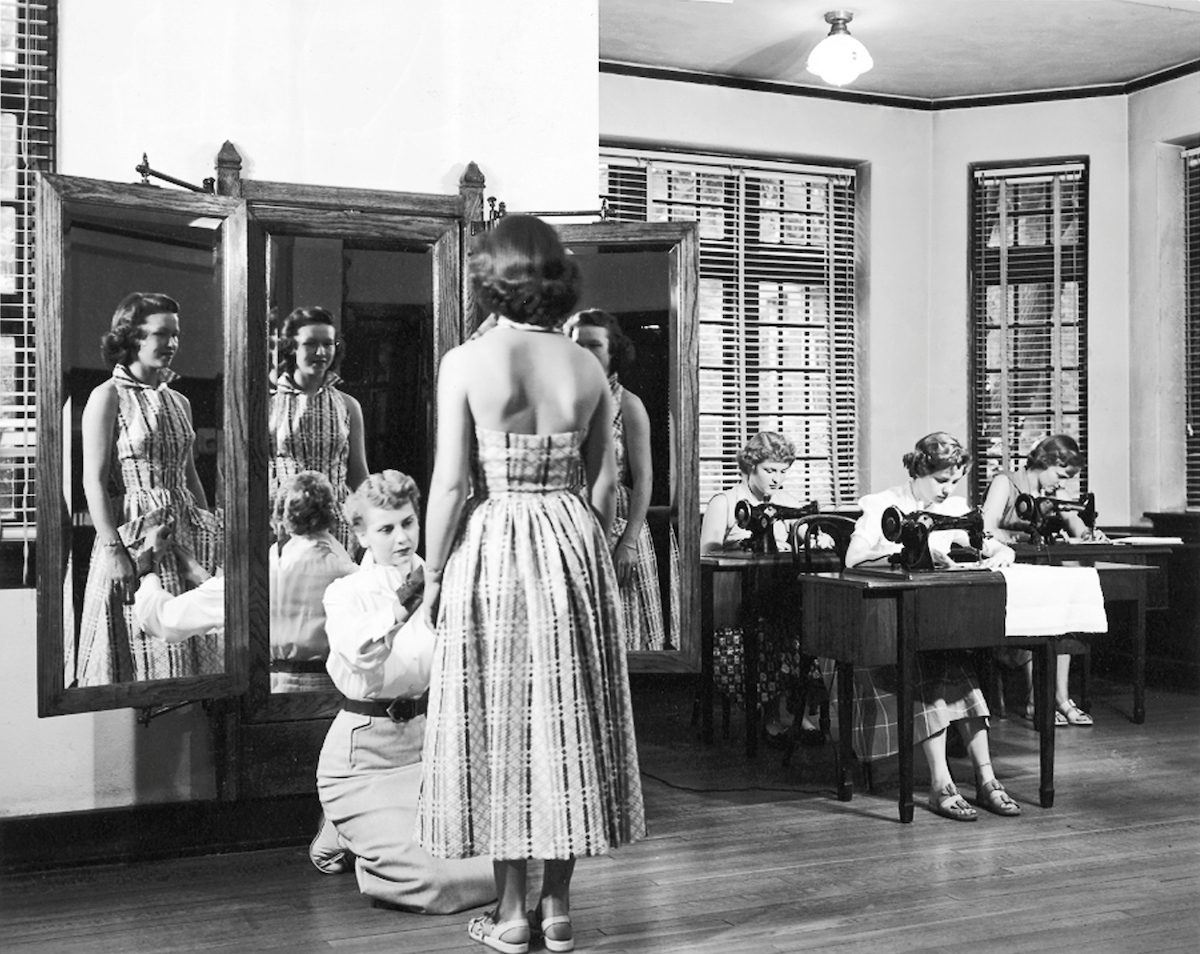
945, 692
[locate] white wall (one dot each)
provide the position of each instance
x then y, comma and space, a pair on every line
916, 252
1161, 120
896, 143
1085, 127
389, 94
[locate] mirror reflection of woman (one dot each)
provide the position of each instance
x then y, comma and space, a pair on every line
633, 549
314, 425
138, 471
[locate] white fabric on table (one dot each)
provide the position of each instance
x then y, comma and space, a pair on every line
1053, 600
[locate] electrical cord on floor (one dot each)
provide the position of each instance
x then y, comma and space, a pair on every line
748, 788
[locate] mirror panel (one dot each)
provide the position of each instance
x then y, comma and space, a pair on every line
645, 275
142, 454
390, 279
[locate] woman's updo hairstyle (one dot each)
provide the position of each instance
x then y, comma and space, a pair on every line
119, 345
521, 271
621, 350
304, 505
302, 318
934, 452
1058, 450
387, 490
765, 446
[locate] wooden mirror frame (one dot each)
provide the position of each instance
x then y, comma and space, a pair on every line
57, 197
681, 243
438, 222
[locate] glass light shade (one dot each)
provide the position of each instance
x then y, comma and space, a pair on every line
839, 59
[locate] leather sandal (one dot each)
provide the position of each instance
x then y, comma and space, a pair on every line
1073, 715
486, 930
950, 804
992, 797
326, 851
540, 926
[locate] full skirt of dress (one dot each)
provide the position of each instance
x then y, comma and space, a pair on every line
530, 748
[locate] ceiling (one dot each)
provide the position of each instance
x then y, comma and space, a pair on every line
929, 50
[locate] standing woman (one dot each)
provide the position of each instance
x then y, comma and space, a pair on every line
313, 425
633, 549
138, 471
530, 749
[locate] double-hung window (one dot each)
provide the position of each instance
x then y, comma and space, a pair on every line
1191, 159
27, 120
1028, 312
778, 327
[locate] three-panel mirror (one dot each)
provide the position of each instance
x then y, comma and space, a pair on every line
171, 444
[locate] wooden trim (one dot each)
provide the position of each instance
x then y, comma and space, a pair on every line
901, 102
146, 832
335, 197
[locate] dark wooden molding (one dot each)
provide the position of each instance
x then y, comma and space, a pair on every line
146, 832
901, 102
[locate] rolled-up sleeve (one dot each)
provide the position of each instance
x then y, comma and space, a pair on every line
176, 618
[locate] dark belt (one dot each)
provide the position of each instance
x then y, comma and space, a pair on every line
298, 665
398, 710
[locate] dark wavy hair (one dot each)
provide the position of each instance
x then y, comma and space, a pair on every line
765, 446
621, 350
302, 318
387, 490
521, 271
305, 504
119, 345
1058, 450
934, 452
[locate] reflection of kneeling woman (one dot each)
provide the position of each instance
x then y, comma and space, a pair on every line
369, 772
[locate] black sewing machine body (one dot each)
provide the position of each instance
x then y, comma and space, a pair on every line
1046, 515
759, 519
912, 532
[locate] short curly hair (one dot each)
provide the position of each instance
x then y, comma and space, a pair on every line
119, 345
621, 350
765, 446
305, 504
387, 490
521, 271
1058, 450
935, 452
302, 318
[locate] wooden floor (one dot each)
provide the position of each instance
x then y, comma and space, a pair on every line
745, 857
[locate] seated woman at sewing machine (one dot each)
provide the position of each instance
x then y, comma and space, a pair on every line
1051, 463
946, 693
763, 461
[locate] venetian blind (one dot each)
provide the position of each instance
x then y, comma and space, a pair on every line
1028, 271
776, 306
1191, 159
27, 119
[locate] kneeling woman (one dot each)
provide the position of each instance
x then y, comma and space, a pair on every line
946, 693
369, 772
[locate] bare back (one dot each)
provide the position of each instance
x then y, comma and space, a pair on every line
529, 382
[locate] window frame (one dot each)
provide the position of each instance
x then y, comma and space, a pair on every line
734, 342
1016, 441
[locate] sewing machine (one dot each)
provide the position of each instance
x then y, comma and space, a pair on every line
1045, 515
759, 518
912, 532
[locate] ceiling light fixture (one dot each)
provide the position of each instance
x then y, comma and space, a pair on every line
839, 58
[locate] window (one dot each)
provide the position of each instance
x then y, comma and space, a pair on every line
776, 306
27, 49
1028, 302
1191, 377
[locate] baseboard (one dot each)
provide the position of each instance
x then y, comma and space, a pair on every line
144, 832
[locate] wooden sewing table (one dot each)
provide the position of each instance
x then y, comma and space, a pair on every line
871, 617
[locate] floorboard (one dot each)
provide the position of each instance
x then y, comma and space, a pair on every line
745, 856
